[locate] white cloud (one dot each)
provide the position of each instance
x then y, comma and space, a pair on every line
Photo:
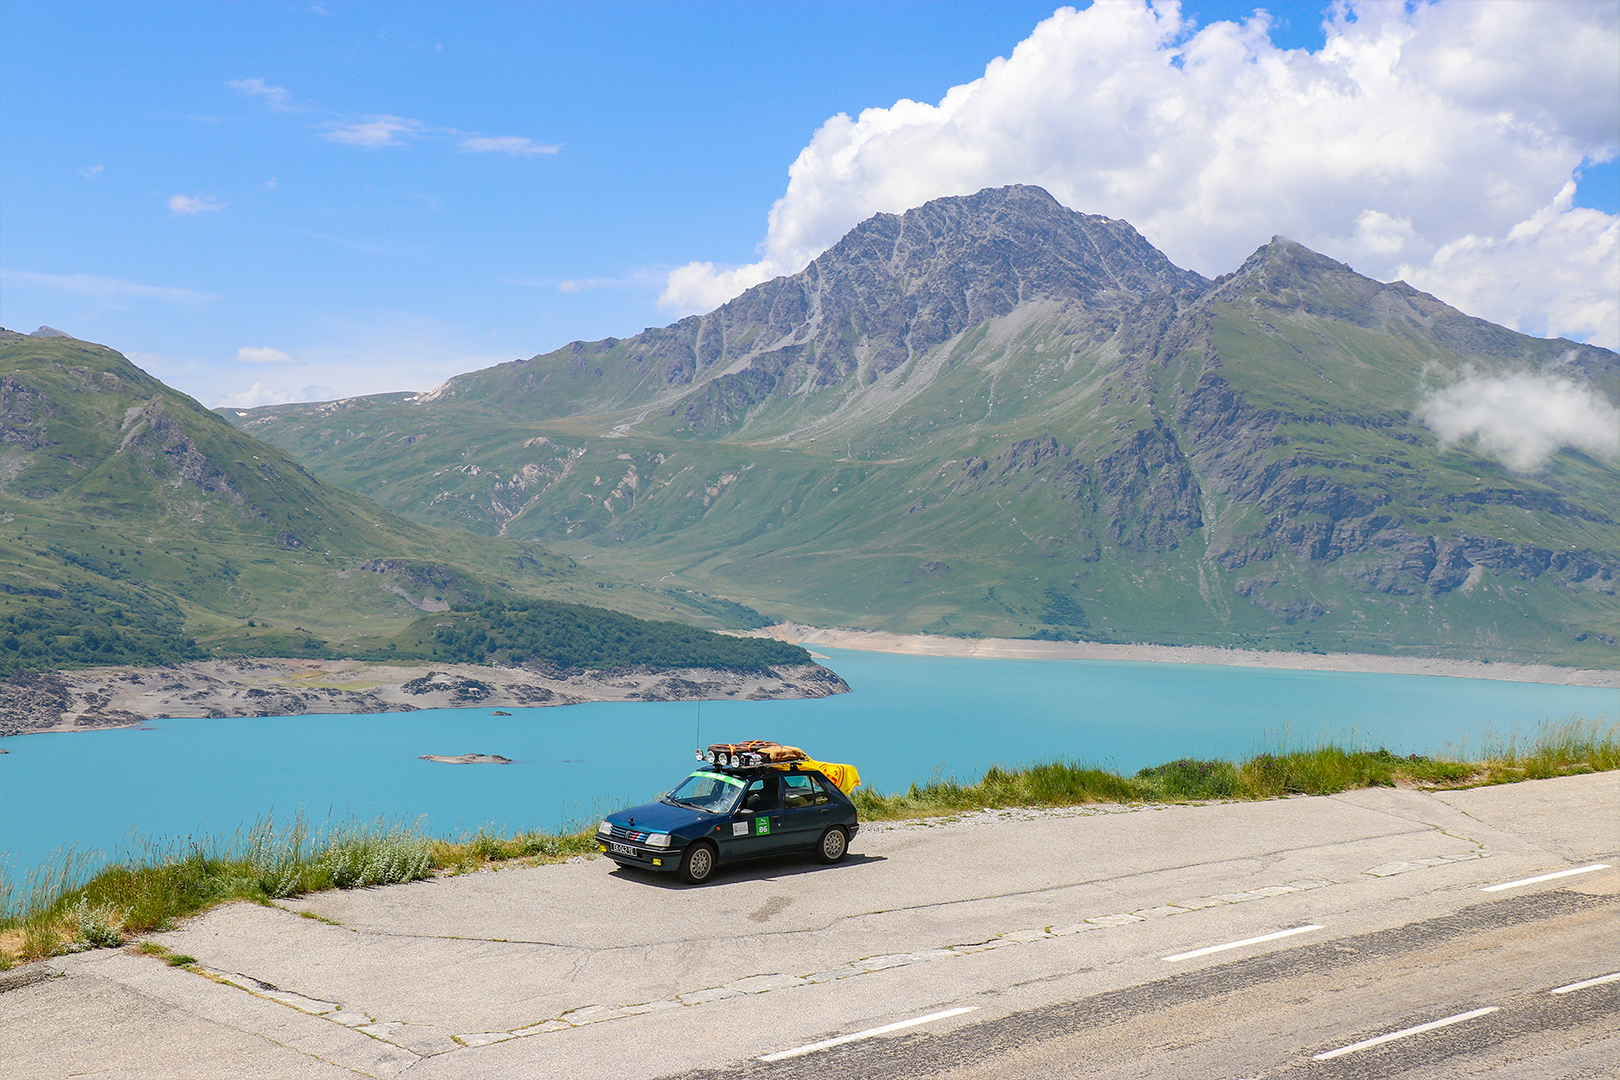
1569, 279
107, 290
260, 394
505, 144
274, 96
248, 354
373, 131
1412, 131
642, 279
1522, 419
189, 204
90, 172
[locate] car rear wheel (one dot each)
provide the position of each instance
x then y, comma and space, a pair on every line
697, 865
834, 843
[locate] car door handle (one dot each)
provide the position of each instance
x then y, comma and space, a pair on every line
824, 813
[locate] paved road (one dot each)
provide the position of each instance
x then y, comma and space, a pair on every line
1076, 943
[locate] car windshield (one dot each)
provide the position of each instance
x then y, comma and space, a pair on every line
712, 791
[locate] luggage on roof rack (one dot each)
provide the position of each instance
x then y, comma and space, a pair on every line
753, 752
761, 752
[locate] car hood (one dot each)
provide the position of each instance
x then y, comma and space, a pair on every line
660, 817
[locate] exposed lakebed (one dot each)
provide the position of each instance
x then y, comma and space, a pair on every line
906, 718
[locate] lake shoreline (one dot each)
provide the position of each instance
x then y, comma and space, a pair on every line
1024, 649
89, 699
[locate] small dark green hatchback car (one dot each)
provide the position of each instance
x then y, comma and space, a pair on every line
722, 814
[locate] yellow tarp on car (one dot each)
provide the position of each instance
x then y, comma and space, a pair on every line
847, 777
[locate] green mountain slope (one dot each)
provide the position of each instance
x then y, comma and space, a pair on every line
137, 526
992, 415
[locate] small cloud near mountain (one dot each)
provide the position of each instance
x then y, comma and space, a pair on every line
1522, 419
260, 394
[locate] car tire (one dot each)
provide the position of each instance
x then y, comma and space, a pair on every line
833, 846
697, 865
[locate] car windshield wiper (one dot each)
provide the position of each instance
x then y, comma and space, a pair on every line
688, 804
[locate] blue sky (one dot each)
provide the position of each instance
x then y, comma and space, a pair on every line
278, 201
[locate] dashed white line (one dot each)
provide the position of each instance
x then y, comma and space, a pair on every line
1239, 944
1404, 1032
1599, 981
1545, 877
825, 1044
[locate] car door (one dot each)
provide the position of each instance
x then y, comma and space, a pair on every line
806, 812
755, 827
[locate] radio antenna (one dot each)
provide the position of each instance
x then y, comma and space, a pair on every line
699, 733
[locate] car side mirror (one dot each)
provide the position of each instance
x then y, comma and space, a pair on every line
745, 810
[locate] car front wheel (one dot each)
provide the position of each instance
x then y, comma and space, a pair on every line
834, 843
697, 865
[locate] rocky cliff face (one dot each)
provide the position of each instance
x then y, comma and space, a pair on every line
1040, 402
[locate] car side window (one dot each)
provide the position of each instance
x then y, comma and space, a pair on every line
800, 790
827, 788
762, 796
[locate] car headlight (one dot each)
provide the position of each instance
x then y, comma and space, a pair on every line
658, 839
604, 828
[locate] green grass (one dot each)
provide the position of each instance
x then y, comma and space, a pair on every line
66, 908
1561, 748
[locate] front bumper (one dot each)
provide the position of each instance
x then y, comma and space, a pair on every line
639, 855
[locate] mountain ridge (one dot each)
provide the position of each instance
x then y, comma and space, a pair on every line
1089, 441
138, 527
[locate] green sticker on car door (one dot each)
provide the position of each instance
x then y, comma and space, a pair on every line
762, 826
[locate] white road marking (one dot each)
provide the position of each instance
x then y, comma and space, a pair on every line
1403, 1033
1240, 944
1545, 877
824, 1044
1599, 981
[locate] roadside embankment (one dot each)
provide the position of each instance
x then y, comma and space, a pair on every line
91, 698
1023, 649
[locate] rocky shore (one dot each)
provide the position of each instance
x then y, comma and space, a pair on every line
118, 697
1023, 649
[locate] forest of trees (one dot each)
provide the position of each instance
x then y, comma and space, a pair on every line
81, 626
571, 635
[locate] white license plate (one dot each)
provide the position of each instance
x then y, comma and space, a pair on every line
622, 849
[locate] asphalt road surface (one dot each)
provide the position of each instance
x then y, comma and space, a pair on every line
1376, 933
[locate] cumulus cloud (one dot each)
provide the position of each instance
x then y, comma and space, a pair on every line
248, 354
274, 96
1522, 419
373, 131
516, 145
180, 205
1575, 256
1432, 141
110, 291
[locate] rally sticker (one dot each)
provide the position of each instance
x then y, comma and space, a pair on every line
762, 826
739, 828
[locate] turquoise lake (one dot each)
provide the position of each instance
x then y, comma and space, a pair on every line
907, 718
